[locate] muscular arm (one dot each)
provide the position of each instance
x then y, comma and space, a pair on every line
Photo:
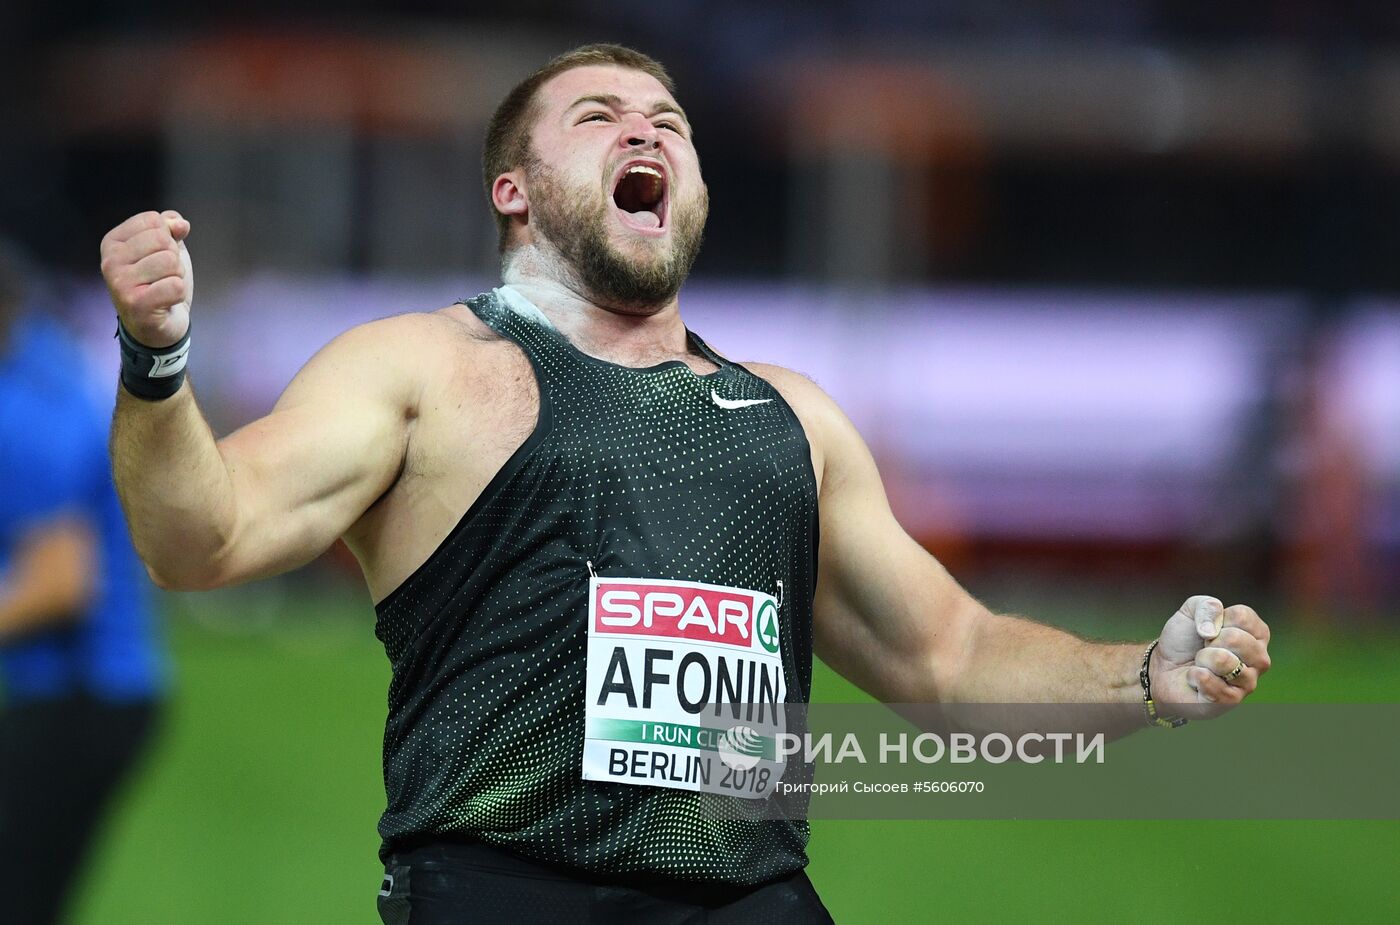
275, 494
50, 577
892, 620
270, 497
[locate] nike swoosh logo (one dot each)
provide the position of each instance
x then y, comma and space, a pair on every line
732, 403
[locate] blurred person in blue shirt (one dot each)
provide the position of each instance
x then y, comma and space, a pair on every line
81, 674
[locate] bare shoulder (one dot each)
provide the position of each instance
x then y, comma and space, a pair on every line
389, 358
390, 337
811, 404
420, 332
465, 323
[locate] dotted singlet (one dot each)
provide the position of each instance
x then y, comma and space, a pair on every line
644, 474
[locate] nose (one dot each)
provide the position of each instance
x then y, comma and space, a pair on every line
639, 133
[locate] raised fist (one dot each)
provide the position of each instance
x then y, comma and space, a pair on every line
1210, 654
150, 277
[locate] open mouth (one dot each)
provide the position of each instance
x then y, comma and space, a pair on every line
640, 196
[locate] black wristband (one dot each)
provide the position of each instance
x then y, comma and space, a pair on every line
152, 373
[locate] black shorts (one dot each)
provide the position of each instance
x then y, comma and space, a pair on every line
475, 884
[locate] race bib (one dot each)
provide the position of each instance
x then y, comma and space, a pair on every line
685, 687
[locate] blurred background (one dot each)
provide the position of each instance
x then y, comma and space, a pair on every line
1110, 288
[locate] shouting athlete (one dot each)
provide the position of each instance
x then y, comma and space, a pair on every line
562, 500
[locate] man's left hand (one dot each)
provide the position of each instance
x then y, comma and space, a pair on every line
1209, 654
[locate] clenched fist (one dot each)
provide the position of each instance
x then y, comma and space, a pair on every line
150, 277
1210, 654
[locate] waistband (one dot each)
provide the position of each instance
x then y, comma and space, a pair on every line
479, 856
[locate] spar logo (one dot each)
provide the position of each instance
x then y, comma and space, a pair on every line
685, 610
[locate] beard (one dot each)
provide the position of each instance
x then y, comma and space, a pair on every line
575, 222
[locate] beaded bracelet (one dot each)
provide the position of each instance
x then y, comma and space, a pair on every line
1149, 707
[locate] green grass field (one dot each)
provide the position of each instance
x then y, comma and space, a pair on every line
259, 806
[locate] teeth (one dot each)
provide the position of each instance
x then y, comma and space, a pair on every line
639, 168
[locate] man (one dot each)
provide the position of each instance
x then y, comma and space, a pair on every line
80, 673
559, 460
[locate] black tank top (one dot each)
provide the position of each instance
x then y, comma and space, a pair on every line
651, 544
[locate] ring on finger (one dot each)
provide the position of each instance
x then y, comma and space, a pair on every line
1234, 673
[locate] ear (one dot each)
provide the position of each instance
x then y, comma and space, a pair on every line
509, 196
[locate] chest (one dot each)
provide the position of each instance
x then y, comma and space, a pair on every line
471, 421
478, 407
642, 451
611, 440
597, 422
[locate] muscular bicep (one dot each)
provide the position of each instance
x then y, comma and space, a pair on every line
332, 445
888, 616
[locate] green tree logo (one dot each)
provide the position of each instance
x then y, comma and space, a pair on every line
766, 625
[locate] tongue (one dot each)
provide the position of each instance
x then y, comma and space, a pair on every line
646, 219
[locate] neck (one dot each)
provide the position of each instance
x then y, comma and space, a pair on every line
630, 335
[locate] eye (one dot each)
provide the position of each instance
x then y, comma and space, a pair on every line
670, 125
593, 116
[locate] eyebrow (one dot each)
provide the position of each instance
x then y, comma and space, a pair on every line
616, 102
